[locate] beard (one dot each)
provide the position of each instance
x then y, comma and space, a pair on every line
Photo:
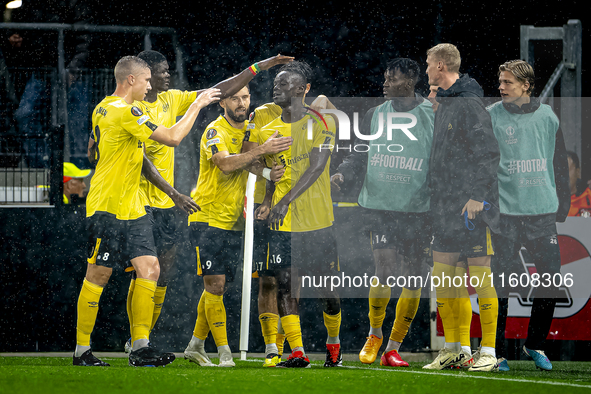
237, 118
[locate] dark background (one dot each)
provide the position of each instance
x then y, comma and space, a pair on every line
42, 251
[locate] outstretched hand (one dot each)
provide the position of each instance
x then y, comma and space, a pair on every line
262, 212
277, 172
185, 203
274, 61
207, 97
336, 180
276, 144
278, 214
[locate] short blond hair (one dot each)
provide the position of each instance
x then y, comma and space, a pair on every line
522, 71
448, 54
129, 65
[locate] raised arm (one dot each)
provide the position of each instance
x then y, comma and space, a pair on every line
174, 135
232, 85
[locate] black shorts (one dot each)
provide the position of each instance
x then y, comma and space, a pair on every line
196, 229
113, 242
260, 251
407, 233
469, 243
311, 252
165, 224
219, 252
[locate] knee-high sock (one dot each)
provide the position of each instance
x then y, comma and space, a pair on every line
142, 308
129, 298
280, 337
88, 303
500, 347
445, 300
216, 318
463, 309
488, 303
332, 324
269, 327
201, 326
293, 331
379, 297
159, 296
406, 309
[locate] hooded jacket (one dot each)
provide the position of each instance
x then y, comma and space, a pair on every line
464, 156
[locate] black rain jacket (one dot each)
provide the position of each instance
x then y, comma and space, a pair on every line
464, 156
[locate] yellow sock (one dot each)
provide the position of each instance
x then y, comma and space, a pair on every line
142, 308
406, 309
216, 318
332, 324
463, 309
488, 302
88, 302
379, 296
159, 295
293, 330
445, 300
129, 298
269, 327
201, 326
279, 342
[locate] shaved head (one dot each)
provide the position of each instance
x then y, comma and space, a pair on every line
129, 65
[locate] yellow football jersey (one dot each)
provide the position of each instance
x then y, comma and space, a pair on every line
163, 112
312, 210
119, 129
220, 196
260, 117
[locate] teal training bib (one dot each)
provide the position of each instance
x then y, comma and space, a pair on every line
526, 170
396, 178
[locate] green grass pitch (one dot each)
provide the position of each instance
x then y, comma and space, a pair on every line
48, 375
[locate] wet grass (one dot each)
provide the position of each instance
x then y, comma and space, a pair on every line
56, 375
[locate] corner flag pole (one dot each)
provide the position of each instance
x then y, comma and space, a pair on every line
247, 267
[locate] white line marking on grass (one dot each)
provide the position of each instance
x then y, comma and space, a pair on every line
472, 376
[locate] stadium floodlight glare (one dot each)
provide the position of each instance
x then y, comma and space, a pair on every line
14, 4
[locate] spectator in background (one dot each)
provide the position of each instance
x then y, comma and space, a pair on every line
74, 181
580, 194
33, 52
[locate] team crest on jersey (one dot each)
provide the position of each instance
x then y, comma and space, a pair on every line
135, 111
211, 133
165, 107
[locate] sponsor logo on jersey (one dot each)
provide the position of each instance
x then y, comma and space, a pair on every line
211, 133
234, 141
135, 111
